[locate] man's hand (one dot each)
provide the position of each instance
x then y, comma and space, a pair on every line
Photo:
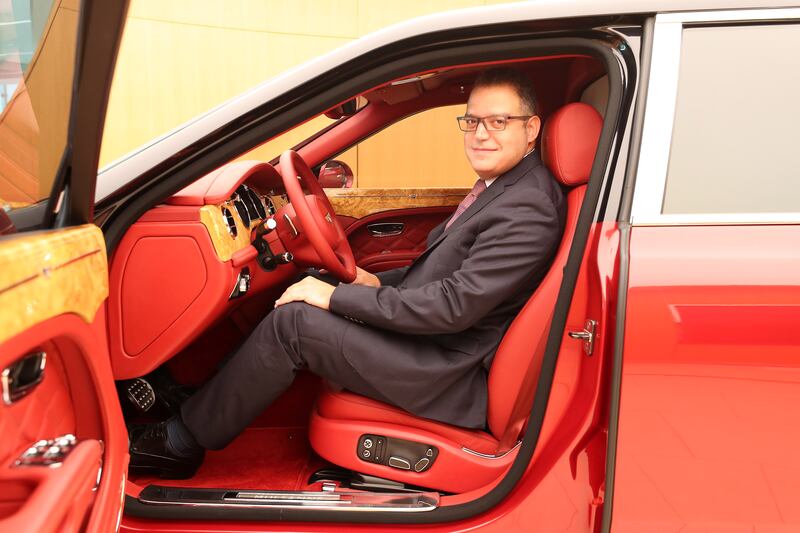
362, 278
365, 278
309, 290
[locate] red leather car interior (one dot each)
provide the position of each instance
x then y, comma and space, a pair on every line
341, 417
166, 285
566, 75
376, 254
76, 396
217, 186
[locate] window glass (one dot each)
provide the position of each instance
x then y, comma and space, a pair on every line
424, 150
37, 55
735, 143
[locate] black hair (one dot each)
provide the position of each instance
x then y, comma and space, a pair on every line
513, 78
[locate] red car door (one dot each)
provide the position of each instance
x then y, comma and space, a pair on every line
708, 425
63, 444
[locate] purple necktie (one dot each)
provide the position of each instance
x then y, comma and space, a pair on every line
468, 200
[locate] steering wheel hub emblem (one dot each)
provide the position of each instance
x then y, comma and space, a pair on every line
328, 218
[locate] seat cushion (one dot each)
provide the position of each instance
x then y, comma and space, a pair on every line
344, 405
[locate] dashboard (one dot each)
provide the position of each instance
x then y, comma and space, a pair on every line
190, 261
233, 200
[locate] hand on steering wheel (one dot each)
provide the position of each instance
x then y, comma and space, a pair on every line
319, 239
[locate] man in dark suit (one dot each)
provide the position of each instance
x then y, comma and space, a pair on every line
420, 337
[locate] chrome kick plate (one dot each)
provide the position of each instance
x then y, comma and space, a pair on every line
411, 502
20, 378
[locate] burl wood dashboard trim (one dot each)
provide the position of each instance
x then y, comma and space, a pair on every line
224, 243
47, 274
358, 203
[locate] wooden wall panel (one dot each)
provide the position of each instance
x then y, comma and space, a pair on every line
180, 58
426, 150
33, 126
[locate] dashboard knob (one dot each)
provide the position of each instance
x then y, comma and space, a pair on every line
266, 227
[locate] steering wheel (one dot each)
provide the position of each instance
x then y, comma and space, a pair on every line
309, 219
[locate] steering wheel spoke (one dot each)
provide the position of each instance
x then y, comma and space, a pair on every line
318, 230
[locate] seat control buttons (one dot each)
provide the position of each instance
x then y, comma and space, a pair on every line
429, 453
371, 448
422, 464
399, 462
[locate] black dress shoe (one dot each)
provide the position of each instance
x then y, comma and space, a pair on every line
150, 454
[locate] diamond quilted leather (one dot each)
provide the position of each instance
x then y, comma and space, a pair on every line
43, 414
413, 239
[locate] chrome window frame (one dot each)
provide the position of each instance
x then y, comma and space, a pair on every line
659, 117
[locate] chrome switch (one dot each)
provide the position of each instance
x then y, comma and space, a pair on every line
399, 462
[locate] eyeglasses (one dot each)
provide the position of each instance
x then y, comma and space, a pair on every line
491, 123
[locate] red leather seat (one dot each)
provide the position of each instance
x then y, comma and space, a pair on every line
468, 459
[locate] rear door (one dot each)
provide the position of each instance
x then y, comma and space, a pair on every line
709, 425
63, 444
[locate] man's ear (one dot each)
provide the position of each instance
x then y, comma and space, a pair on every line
532, 127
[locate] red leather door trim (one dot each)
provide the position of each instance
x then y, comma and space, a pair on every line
377, 254
77, 395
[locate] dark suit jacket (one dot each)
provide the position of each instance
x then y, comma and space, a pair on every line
457, 299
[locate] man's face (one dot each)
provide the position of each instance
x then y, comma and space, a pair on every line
492, 153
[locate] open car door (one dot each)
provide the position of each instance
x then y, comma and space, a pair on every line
63, 444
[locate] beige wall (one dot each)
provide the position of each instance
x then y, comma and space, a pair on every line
182, 57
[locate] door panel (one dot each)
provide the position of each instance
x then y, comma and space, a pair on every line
413, 212
709, 429
394, 238
53, 287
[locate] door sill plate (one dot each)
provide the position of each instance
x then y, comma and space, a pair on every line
340, 500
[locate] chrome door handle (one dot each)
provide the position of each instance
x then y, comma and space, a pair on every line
386, 229
20, 378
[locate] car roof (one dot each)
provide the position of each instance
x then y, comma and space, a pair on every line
119, 172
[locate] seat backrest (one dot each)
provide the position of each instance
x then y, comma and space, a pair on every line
569, 143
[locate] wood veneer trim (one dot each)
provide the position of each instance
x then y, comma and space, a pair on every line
45, 275
358, 203
225, 244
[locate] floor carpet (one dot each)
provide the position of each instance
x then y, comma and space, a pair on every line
275, 458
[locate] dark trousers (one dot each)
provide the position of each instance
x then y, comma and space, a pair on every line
293, 337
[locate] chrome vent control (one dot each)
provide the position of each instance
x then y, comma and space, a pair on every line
230, 222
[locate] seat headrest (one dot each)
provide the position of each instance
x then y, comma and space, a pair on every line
569, 142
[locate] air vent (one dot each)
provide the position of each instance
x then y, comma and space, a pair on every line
241, 208
262, 213
230, 222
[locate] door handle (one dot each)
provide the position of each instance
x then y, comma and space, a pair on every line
20, 378
386, 229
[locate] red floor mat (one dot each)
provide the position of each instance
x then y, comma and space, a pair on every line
259, 458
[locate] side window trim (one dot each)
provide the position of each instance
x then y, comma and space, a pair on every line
660, 114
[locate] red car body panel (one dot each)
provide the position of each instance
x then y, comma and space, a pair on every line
711, 381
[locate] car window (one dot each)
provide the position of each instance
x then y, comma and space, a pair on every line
37, 57
423, 150
734, 146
